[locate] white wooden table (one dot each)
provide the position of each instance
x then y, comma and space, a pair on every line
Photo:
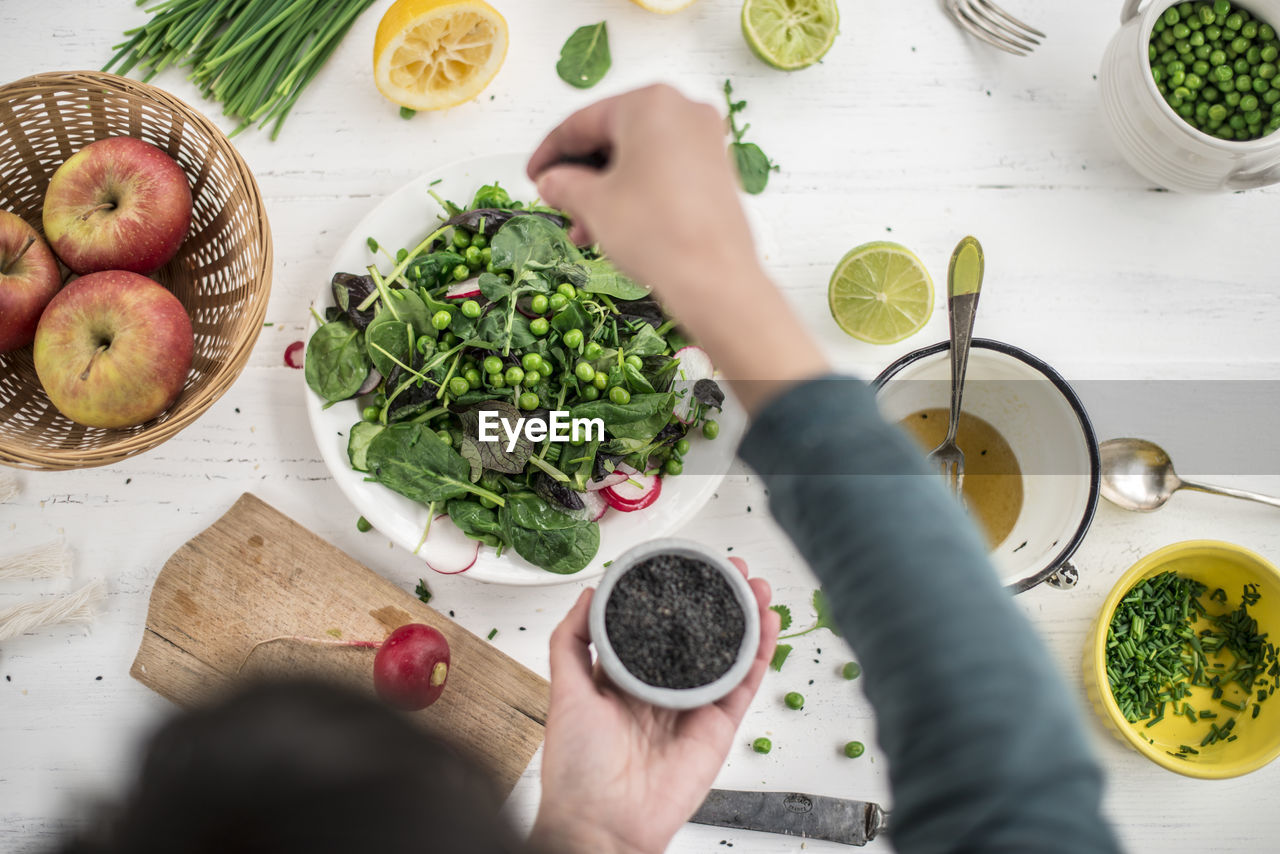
908, 131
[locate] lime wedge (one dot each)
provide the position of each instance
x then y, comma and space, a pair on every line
790, 34
880, 293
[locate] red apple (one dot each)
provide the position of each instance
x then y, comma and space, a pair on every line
113, 349
117, 204
29, 277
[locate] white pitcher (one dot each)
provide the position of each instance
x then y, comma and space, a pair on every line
1156, 140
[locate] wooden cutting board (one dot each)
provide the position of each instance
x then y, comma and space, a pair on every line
257, 574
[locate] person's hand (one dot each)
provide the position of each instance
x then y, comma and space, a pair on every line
666, 211
619, 775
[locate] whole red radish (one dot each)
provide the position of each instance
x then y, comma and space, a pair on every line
117, 204
411, 667
29, 278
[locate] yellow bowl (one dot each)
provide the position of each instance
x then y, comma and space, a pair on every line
1214, 564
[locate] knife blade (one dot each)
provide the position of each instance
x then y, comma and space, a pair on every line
794, 814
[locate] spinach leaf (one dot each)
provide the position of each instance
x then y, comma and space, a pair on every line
528, 510
493, 455
475, 520
362, 433
530, 243
585, 59
349, 291
604, 278
564, 551
413, 461
636, 381
753, 165
408, 307
486, 221
336, 365
388, 341
643, 418
646, 342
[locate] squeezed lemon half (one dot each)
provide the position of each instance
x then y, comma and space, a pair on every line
434, 54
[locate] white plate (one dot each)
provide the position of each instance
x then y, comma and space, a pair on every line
403, 219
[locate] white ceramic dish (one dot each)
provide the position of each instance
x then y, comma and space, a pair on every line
673, 698
403, 219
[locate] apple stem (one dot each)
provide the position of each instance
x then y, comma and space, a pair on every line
92, 359
31, 239
105, 206
300, 639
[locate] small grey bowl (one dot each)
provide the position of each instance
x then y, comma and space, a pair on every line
675, 698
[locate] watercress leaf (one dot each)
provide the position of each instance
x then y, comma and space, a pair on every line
362, 433
585, 58
604, 278
413, 461
494, 288
491, 196
826, 620
475, 520
563, 551
494, 455
572, 316
780, 653
336, 365
388, 342
753, 166
349, 291
646, 342
784, 613
708, 393
493, 330
643, 418
470, 451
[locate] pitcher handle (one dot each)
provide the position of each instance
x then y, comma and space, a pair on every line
1065, 578
1254, 178
1132, 8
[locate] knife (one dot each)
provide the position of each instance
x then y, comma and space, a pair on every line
794, 814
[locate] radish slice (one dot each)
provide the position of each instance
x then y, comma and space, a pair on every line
470, 289
635, 493
611, 479
370, 382
695, 365
447, 550
293, 354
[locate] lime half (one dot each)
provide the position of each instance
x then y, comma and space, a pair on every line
880, 293
790, 34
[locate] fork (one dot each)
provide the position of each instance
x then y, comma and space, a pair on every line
964, 284
994, 25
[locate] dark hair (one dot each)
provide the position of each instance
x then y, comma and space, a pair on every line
301, 768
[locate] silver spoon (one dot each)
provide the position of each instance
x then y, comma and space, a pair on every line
1138, 475
964, 285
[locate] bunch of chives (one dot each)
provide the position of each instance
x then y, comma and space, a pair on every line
253, 56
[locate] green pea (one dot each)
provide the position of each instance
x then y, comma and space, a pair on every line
573, 339
444, 436
593, 351
458, 386
539, 326
532, 377
1249, 30
496, 380
1181, 30
472, 257
711, 429
461, 273
1194, 82
1217, 112
1222, 7
851, 671
448, 339
1234, 21
590, 393
441, 319
672, 466
1266, 71
854, 749
539, 304
528, 401
682, 447
558, 301
619, 395
371, 413
762, 745
424, 345
492, 364
461, 239
600, 380
585, 372
635, 361
794, 700
363, 525
1248, 103
488, 502
486, 255
567, 290
514, 375
471, 308
472, 376
479, 241
531, 361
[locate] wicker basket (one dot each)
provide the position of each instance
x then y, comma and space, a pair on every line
222, 274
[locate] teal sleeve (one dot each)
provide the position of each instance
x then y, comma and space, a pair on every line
985, 747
